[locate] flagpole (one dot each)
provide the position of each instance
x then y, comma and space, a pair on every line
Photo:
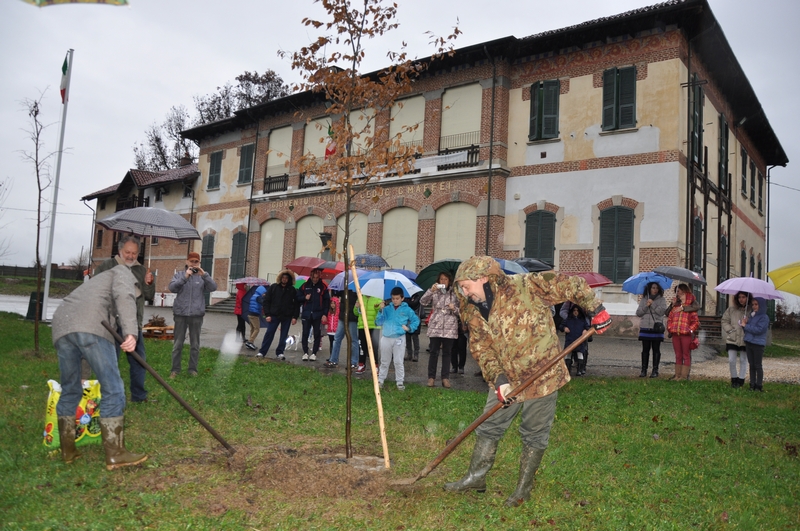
55, 187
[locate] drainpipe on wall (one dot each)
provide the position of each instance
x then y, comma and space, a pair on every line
689, 153
250, 201
491, 152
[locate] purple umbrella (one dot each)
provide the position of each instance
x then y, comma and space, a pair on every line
754, 286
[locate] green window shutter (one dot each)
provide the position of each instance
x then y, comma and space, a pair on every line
752, 182
627, 97
698, 244
540, 235
752, 265
533, 128
744, 264
207, 253
547, 237
550, 94
616, 243
215, 170
609, 99
238, 255
744, 174
723, 259
722, 167
246, 163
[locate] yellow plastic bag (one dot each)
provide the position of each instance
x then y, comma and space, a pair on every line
87, 415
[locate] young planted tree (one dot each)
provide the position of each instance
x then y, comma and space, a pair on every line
41, 167
360, 150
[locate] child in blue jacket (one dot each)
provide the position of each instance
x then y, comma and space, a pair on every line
755, 328
395, 321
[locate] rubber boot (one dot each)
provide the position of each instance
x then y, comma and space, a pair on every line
528, 465
741, 382
678, 371
569, 365
686, 370
482, 461
645, 360
66, 432
734, 382
117, 456
656, 362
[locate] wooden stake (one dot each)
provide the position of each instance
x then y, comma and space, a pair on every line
371, 353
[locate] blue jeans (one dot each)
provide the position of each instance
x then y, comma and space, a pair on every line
272, 326
338, 339
309, 324
137, 372
102, 357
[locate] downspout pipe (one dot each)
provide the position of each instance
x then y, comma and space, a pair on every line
491, 152
250, 201
689, 153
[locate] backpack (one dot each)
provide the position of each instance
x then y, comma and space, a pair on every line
247, 297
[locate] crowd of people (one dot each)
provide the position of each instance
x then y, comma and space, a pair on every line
509, 323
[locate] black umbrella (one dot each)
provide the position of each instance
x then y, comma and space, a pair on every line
370, 261
681, 274
149, 221
533, 265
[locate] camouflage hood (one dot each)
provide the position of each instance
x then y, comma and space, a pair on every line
479, 267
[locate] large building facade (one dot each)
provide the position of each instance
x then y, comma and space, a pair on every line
615, 146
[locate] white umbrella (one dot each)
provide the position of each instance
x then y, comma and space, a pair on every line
380, 284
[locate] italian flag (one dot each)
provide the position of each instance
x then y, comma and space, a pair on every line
64, 69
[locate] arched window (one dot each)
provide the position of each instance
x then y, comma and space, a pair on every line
540, 236
616, 243
743, 272
752, 265
760, 272
238, 255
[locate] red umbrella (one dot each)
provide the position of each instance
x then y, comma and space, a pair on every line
303, 265
330, 269
595, 280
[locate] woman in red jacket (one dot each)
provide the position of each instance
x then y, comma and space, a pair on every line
682, 324
241, 289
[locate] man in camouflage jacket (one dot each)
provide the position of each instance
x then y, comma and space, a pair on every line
511, 336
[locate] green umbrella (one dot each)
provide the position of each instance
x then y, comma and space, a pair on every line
430, 275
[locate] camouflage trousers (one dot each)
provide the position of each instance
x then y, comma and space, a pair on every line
536, 420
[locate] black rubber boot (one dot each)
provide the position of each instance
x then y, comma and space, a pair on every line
656, 362
117, 455
645, 361
529, 462
734, 382
66, 433
482, 461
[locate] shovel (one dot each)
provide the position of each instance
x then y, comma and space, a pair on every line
407, 482
165, 385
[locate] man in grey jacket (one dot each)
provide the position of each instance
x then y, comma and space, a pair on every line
145, 289
188, 309
78, 334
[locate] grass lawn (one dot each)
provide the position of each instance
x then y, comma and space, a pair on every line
624, 454
24, 286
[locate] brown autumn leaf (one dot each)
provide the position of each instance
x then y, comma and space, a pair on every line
724, 516
719, 440
655, 418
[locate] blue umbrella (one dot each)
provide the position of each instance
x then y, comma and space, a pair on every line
370, 261
410, 274
639, 281
380, 284
510, 267
337, 282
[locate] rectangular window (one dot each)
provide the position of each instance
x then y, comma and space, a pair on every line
103, 204
619, 98
215, 170
744, 173
760, 193
544, 110
159, 194
153, 240
188, 191
246, 164
752, 183
99, 239
722, 167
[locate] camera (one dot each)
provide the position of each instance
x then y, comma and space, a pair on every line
441, 286
194, 270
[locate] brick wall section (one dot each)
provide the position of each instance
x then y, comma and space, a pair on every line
253, 252
433, 126
651, 258
500, 147
374, 238
576, 260
425, 242
548, 207
298, 141
655, 157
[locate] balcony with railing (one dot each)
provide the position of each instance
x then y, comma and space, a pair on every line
310, 181
276, 183
469, 142
126, 203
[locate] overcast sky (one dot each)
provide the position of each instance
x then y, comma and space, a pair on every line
131, 64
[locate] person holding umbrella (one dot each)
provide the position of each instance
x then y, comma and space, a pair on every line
682, 323
734, 337
755, 328
145, 289
651, 311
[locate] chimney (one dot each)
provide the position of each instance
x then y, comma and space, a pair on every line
186, 159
